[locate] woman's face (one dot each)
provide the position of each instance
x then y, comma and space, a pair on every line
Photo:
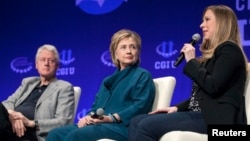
127, 52
208, 25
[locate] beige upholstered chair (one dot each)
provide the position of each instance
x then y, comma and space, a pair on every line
77, 92
192, 136
164, 90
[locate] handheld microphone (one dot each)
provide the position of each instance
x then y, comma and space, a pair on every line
98, 114
195, 38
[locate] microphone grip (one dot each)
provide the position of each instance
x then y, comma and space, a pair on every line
179, 59
93, 115
98, 114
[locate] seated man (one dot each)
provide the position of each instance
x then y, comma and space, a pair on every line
40, 103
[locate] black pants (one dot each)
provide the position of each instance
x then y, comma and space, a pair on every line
6, 133
5, 125
151, 127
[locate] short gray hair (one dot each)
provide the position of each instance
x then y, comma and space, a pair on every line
49, 48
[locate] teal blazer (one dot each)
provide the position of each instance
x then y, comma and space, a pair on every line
129, 92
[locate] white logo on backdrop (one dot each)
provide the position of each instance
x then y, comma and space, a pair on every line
66, 59
21, 65
106, 59
166, 50
244, 6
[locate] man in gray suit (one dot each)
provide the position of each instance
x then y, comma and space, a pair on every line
40, 103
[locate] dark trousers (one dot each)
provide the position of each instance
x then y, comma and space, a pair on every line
151, 127
5, 125
6, 133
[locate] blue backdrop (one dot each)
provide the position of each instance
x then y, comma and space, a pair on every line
81, 30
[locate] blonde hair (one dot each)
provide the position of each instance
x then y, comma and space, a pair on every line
117, 37
226, 29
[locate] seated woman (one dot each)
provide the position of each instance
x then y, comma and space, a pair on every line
218, 76
128, 92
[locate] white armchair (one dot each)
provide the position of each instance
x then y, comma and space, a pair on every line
193, 136
164, 87
77, 93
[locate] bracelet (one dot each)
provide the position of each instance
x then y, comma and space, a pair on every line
116, 120
113, 119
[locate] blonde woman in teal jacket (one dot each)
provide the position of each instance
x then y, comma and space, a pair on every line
128, 92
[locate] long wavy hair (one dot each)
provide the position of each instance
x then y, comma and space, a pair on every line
227, 29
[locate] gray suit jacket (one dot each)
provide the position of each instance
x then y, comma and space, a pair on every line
54, 108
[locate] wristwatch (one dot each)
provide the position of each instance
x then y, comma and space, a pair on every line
36, 124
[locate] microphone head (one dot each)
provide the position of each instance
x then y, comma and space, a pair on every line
100, 112
196, 37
